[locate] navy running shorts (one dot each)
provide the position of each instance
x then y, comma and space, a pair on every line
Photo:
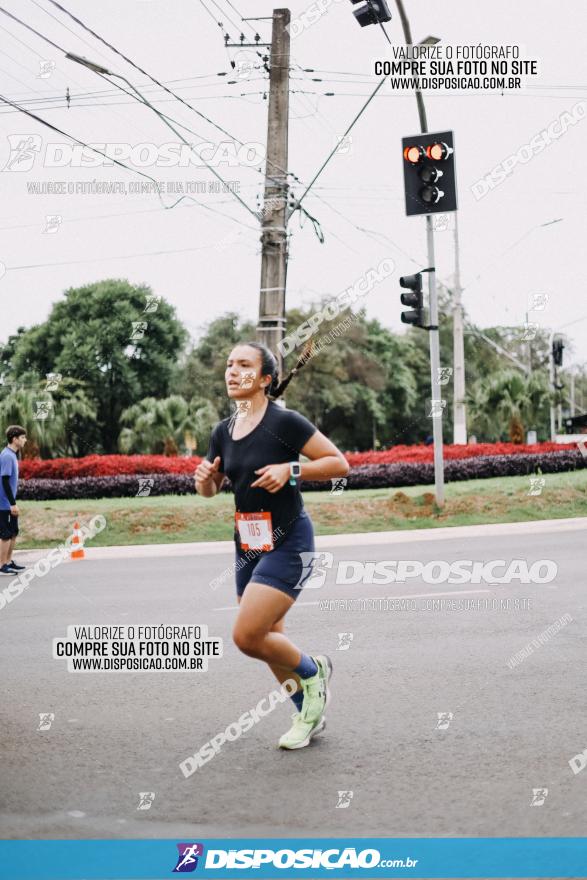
283, 568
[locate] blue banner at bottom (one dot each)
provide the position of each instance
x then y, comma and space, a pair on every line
364, 857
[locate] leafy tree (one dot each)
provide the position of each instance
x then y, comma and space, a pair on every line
133, 387
358, 387
8, 374
101, 335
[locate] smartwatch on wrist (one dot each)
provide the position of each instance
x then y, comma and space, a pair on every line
295, 472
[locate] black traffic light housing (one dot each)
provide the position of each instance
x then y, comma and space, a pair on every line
414, 299
372, 12
429, 173
558, 347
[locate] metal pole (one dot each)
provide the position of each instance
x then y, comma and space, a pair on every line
459, 409
436, 404
271, 327
408, 39
551, 371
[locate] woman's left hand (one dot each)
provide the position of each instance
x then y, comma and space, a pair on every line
273, 477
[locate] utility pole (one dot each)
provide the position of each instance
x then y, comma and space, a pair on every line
271, 326
458, 341
436, 405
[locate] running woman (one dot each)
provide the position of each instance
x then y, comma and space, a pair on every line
258, 449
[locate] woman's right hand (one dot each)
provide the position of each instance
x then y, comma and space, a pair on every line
207, 469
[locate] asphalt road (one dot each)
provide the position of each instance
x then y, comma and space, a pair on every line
115, 735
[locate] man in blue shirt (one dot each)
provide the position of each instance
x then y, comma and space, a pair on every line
16, 437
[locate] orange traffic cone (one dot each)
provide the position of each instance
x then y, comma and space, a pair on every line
77, 541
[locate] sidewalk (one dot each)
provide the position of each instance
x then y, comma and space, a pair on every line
326, 542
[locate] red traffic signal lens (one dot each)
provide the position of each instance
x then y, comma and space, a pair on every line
438, 152
414, 154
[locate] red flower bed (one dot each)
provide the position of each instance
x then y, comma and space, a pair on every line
106, 466
118, 465
422, 453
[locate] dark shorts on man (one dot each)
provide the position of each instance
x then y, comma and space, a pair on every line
8, 525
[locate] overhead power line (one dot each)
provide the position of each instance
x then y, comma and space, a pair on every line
225, 15
33, 30
142, 100
117, 52
83, 144
211, 14
100, 94
331, 154
243, 96
22, 43
91, 218
121, 257
70, 79
166, 121
141, 70
63, 25
145, 87
176, 97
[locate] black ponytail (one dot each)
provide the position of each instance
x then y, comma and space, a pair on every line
269, 368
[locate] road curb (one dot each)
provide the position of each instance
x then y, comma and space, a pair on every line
326, 542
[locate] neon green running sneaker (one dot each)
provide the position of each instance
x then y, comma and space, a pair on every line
324, 665
315, 690
301, 732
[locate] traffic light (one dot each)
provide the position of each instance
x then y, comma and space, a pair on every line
557, 352
372, 12
414, 299
429, 173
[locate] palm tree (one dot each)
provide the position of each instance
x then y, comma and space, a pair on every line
165, 426
77, 420
55, 424
26, 406
507, 400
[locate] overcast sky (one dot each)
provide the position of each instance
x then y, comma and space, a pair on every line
211, 262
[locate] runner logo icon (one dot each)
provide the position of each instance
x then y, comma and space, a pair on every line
314, 576
187, 859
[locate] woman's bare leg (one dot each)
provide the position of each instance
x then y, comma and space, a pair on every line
260, 609
280, 672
